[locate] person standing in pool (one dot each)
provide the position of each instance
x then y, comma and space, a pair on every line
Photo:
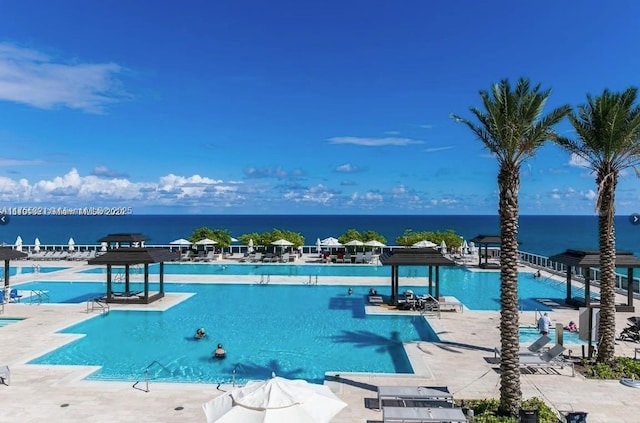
219, 352
544, 323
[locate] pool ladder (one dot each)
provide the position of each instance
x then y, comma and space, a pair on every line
312, 281
146, 375
264, 279
97, 304
37, 296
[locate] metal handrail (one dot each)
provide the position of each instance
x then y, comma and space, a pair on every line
97, 301
146, 374
40, 296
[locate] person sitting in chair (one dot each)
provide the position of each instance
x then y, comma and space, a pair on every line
571, 327
372, 291
200, 333
219, 352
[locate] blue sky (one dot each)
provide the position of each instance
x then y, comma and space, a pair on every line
254, 107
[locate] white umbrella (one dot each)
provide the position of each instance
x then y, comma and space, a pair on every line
354, 243
282, 243
36, 245
103, 246
18, 243
465, 246
318, 245
443, 247
181, 241
330, 242
275, 400
472, 247
424, 244
374, 243
206, 241
71, 244
234, 239
250, 245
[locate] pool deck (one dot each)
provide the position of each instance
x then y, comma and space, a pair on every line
463, 361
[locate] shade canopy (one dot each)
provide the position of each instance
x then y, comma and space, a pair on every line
374, 243
330, 242
206, 241
282, 243
354, 243
275, 400
181, 241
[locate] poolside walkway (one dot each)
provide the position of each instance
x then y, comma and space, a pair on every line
463, 361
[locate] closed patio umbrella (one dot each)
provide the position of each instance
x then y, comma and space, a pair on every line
71, 244
18, 243
36, 245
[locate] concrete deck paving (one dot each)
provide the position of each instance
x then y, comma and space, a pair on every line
463, 361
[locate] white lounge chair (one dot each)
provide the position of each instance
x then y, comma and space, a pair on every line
422, 415
551, 358
368, 257
535, 348
359, 258
415, 393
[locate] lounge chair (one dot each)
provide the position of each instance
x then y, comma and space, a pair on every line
285, 258
256, 257
359, 258
551, 358
5, 375
422, 414
186, 256
368, 256
415, 393
535, 348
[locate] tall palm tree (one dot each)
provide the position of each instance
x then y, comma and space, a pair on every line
608, 129
512, 128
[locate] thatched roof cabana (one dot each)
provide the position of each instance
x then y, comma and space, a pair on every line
7, 254
486, 241
586, 259
127, 256
415, 257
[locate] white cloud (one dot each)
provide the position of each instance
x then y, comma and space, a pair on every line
4, 161
347, 168
374, 142
436, 149
590, 195
577, 161
30, 77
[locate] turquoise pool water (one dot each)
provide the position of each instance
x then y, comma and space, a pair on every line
477, 290
294, 331
529, 335
25, 270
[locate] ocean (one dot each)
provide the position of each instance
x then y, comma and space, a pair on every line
544, 235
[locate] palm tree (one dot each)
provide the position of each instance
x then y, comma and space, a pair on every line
512, 128
608, 129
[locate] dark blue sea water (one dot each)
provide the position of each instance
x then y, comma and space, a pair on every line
544, 235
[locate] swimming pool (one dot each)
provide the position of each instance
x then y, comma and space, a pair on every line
528, 335
36, 268
476, 290
294, 331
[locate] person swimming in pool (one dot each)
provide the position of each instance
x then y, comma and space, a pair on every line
200, 333
219, 352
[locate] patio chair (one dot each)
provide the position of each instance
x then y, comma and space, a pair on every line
14, 297
256, 257
359, 258
285, 258
551, 358
5, 375
368, 256
416, 393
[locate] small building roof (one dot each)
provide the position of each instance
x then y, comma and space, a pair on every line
591, 258
123, 256
488, 239
415, 257
8, 253
123, 238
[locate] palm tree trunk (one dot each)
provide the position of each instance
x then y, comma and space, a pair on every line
607, 182
509, 186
